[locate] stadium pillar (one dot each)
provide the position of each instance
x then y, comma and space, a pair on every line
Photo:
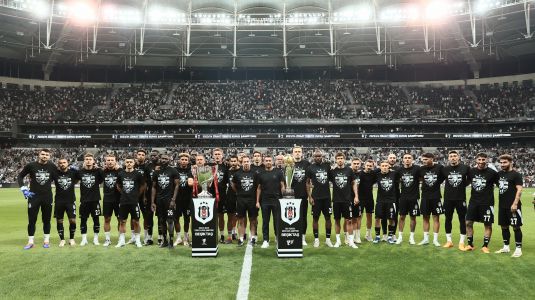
527, 8
284, 52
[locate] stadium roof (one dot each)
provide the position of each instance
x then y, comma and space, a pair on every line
270, 33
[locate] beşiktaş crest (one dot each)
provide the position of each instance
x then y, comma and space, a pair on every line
430, 178
88, 180
128, 185
290, 211
64, 182
479, 183
407, 179
246, 183
110, 180
163, 181
321, 176
386, 183
42, 177
503, 185
455, 178
299, 174
203, 210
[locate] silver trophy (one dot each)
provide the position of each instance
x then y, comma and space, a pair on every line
203, 175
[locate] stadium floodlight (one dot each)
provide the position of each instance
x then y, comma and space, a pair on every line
82, 12
39, 8
437, 11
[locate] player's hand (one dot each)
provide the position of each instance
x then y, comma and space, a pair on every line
157, 168
26, 192
514, 207
172, 204
145, 200
356, 201
258, 205
311, 200
153, 207
73, 167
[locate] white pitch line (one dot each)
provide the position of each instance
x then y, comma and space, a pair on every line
243, 287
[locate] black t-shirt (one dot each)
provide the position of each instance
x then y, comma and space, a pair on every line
410, 182
65, 182
130, 183
185, 191
342, 179
270, 182
366, 182
89, 184
258, 169
149, 173
319, 176
507, 182
455, 182
222, 181
432, 177
41, 177
299, 179
111, 194
482, 185
246, 184
386, 187
230, 192
165, 183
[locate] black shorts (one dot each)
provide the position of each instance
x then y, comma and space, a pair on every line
231, 203
451, 206
184, 208
129, 209
431, 206
366, 204
163, 211
506, 217
480, 213
321, 206
90, 208
246, 207
146, 209
342, 209
111, 208
61, 208
385, 210
222, 204
409, 207
357, 212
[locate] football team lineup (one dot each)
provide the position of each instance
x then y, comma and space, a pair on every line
352, 190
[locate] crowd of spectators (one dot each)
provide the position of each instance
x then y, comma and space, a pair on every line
261, 100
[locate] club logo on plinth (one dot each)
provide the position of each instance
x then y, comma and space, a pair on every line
203, 213
290, 213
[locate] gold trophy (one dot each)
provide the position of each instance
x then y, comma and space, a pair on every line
289, 164
203, 175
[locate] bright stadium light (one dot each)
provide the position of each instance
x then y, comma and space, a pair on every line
437, 11
39, 8
82, 12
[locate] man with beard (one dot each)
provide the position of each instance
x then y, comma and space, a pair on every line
299, 185
65, 200
319, 196
165, 186
509, 213
39, 195
344, 181
392, 161
431, 176
141, 167
131, 184
231, 194
410, 193
456, 180
269, 191
146, 210
112, 197
367, 179
386, 208
279, 162
90, 177
219, 191
185, 191
357, 212
257, 165
481, 205
244, 184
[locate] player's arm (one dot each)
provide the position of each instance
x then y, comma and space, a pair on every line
258, 192
20, 179
153, 197
233, 186
309, 191
172, 204
518, 195
119, 185
355, 191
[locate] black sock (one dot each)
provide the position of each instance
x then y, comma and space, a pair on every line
470, 240
486, 241
83, 225
72, 230
328, 232
384, 225
506, 234
518, 237
391, 230
59, 226
96, 224
171, 228
316, 233
377, 231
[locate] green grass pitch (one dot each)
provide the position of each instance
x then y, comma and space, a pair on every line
372, 271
